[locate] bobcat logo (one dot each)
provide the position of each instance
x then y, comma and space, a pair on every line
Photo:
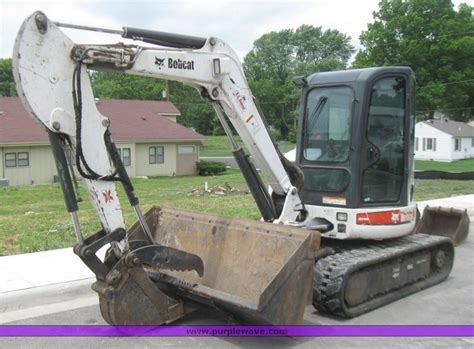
395, 217
160, 62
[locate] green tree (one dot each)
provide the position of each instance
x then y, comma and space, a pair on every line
271, 57
436, 41
277, 57
278, 103
125, 86
7, 85
318, 50
195, 112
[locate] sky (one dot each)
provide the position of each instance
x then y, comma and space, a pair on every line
239, 23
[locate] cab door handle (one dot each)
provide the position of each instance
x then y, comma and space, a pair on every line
372, 154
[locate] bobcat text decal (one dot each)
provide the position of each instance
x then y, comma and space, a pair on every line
175, 63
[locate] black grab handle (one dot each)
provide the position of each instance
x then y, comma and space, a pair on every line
164, 39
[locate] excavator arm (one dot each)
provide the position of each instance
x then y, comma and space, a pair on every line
53, 82
209, 65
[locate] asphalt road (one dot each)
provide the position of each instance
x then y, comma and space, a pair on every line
449, 303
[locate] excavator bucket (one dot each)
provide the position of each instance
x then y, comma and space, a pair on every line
443, 221
260, 273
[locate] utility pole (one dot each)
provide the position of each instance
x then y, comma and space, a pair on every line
167, 91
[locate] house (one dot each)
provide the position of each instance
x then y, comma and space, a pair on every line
443, 140
150, 141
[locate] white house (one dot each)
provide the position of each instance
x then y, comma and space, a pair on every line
443, 140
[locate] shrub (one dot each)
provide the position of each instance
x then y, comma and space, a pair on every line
276, 135
210, 168
291, 136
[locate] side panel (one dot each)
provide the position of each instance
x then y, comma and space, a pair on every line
350, 230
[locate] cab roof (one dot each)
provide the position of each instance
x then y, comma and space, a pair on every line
353, 75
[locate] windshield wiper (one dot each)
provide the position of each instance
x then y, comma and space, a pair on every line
317, 112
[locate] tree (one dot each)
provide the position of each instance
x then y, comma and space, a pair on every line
278, 103
195, 112
318, 50
277, 57
436, 42
7, 85
271, 57
124, 86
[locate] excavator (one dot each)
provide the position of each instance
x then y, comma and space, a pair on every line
338, 225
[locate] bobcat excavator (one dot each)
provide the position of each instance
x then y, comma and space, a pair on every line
352, 184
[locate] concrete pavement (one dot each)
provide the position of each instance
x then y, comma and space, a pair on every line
464, 202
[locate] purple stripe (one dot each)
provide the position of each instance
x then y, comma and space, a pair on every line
237, 331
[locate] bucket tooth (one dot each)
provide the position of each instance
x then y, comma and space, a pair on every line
165, 258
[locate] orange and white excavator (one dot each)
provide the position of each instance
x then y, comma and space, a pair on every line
351, 184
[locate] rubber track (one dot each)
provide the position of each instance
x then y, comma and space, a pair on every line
331, 271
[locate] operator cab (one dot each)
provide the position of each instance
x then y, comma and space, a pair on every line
356, 138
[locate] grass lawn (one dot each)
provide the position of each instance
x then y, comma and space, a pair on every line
34, 218
455, 166
219, 146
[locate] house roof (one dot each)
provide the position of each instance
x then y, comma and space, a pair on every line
454, 128
129, 120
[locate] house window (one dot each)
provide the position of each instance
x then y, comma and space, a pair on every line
457, 144
416, 143
472, 142
156, 155
429, 144
186, 149
10, 159
125, 155
17, 159
24, 159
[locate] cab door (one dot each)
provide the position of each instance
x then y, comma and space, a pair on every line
385, 152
